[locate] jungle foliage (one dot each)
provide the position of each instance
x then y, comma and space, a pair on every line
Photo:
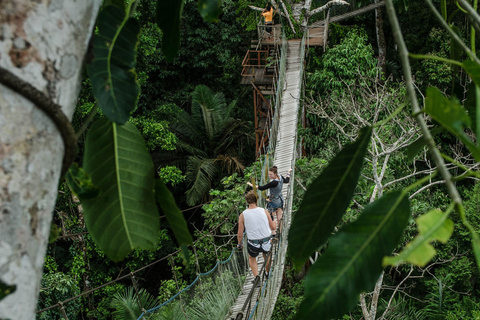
353, 236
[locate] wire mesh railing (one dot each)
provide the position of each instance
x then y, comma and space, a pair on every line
267, 298
209, 296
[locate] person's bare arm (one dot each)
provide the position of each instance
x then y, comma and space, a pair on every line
241, 229
271, 223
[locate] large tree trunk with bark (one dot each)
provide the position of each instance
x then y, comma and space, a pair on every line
43, 43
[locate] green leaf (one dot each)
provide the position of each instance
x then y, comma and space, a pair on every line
210, 10
54, 233
471, 106
169, 15
434, 225
326, 200
112, 72
124, 216
473, 70
174, 216
476, 246
450, 115
353, 261
5, 289
416, 146
80, 183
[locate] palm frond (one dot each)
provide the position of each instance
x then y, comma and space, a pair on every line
127, 306
208, 108
188, 130
202, 172
230, 164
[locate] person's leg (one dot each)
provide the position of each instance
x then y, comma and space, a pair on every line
252, 258
271, 211
252, 261
279, 218
267, 257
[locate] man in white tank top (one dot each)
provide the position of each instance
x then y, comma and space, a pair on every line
258, 225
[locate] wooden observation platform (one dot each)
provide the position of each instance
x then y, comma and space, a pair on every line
261, 70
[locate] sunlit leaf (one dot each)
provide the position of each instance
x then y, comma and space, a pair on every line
174, 216
80, 183
326, 200
210, 10
112, 72
169, 15
434, 225
124, 215
353, 261
450, 115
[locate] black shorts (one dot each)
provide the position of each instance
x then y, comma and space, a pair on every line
254, 251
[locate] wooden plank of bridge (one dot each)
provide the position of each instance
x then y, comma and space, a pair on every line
242, 297
284, 153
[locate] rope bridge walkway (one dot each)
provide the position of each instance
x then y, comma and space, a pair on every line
230, 279
228, 290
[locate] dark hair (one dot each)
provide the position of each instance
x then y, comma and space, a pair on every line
268, 7
274, 170
251, 197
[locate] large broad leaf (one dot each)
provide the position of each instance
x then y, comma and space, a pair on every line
169, 15
434, 225
113, 79
124, 215
326, 200
450, 115
210, 10
353, 261
174, 216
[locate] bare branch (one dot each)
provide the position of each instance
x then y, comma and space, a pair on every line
327, 6
395, 291
425, 187
288, 16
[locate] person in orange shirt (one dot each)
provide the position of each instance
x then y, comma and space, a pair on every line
268, 14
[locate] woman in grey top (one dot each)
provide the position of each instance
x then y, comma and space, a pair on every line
275, 199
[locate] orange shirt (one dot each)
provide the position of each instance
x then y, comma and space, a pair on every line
268, 15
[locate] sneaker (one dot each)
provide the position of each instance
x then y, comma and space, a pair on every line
254, 279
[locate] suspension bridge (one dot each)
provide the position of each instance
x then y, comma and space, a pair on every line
228, 291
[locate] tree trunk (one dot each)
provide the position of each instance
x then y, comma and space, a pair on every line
43, 43
382, 44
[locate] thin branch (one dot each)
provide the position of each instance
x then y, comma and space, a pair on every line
328, 5
395, 291
288, 16
403, 51
452, 33
425, 187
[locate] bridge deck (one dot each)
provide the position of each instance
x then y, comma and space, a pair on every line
284, 153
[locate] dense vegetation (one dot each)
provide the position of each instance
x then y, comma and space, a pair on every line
344, 89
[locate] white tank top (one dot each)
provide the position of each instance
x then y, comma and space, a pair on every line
256, 224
